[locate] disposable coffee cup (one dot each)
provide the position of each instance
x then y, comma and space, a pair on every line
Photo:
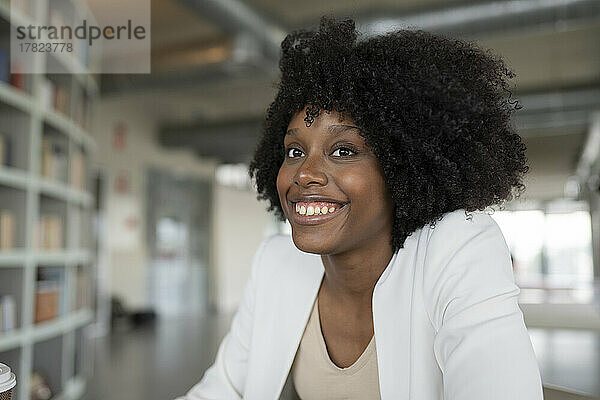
8, 381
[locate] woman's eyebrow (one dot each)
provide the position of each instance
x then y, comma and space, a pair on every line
337, 129
333, 129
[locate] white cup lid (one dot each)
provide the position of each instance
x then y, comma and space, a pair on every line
8, 380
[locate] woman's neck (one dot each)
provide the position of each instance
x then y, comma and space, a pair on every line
350, 277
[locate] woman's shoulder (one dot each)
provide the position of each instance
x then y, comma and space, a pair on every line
465, 219
459, 227
463, 231
466, 255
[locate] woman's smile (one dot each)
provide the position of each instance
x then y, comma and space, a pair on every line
315, 212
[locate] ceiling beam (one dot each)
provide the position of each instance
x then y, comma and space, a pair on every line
542, 115
484, 17
236, 17
551, 111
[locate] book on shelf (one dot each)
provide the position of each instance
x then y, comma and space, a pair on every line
8, 315
24, 7
46, 301
81, 299
47, 88
54, 96
49, 296
80, 112
5, 149
7, 229
61, 99
54, 159
17, 77
49, 232
14, 75
77, 170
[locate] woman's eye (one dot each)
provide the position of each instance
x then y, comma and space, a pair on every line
293, 152
343, 152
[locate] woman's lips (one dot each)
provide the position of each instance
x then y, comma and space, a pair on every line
315, 219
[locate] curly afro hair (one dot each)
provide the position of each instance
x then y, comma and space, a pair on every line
434, 110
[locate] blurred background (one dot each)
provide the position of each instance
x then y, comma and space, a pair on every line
121, 194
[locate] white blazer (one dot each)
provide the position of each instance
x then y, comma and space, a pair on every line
446, 320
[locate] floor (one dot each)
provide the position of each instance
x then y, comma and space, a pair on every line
157, 362
568, 359
162, 361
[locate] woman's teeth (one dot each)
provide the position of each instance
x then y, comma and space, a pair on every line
314, 209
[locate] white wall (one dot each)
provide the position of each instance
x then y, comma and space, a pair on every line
238, 218
126, 252
241, 224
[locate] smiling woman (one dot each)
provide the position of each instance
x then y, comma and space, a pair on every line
383, 154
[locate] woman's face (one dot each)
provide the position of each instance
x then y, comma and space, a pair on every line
330, 173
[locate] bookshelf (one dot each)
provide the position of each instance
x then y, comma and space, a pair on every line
47, 255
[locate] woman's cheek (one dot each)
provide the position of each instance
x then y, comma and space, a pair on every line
354, 185
283, 183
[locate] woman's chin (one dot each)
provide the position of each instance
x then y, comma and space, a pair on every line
315, 244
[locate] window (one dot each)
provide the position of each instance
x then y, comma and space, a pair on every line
552, 252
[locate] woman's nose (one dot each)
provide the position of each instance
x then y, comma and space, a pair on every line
311, 172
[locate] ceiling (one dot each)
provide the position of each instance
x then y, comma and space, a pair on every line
210, 68
297, 14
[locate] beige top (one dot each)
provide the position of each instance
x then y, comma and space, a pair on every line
316, 377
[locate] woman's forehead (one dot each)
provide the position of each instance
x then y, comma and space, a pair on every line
322, 120
333, 129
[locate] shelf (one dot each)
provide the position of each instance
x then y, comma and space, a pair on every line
82, 198
51, 258
57, 347
63, 191
19, 179
15, 97
58, 258
67, 126
45, 330
12, 258
72, 66
11, 340
15, 16
13, 177
23, 101
50, 329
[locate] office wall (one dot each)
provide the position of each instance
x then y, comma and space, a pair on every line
125, 255
238, 218
241, 223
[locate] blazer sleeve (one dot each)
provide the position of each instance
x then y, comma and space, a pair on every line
481, 345
225, 379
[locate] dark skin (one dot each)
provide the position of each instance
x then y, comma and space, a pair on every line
331, 159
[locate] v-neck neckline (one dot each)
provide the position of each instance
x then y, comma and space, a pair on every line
351, 369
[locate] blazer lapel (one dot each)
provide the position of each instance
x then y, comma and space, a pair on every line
284, 314
391, 320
